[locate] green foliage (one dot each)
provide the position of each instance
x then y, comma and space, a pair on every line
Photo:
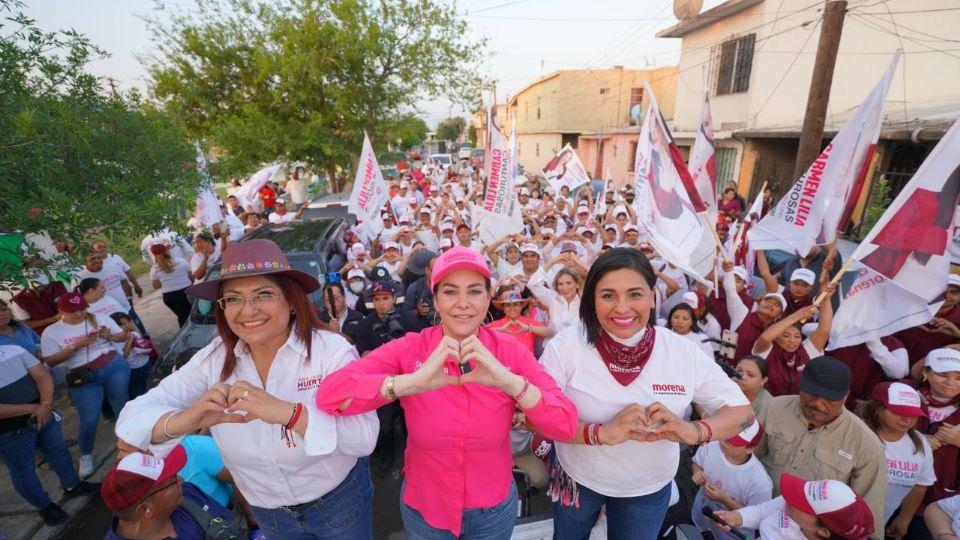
879, 201
76, 161
472, 135
451, 128
408, 128
301, 80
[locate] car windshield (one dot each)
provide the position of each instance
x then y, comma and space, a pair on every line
442, 159
203, 309
476, 152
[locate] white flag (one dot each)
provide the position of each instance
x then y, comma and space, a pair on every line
810, 211
663, 205
703, 165
565, 169
906, 256
247, 193
208, 205
370, 191
501, 170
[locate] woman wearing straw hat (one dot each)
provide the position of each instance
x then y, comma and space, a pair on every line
459, 384
514, 323
302, 470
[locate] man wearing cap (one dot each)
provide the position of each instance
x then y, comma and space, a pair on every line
814, 436
147, 498
815, 261
530, 257
808, 511
418, 298
281, 215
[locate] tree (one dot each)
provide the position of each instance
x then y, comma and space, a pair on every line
301, 80
76, 161
451, 128
408, 128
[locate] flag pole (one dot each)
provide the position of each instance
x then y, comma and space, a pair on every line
716, 237
740, 232
833, 281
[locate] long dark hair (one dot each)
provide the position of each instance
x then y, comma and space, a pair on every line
869, 412
87, 284
683, 306
303, 321
759, 361
609, 261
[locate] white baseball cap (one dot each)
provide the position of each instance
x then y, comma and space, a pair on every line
584, 230
833, 502
358, 249
583, 209
779, 297
630, 227
748, 437
444, 244
547, 230
425, 210
524, 191
690, 298
620, 209
609, 227
446, 226
943, 360
391, 245
404, 184
741, 273
355, 273
953, 279
531, 247
805, 275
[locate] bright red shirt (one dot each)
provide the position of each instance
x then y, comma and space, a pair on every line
458, 449
269, 196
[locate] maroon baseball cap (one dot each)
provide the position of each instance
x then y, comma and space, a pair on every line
136, 474
71, 302
899, 398
831, 501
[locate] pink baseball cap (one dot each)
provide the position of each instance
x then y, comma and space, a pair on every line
749, 437
837, 506
899, 398
458, 258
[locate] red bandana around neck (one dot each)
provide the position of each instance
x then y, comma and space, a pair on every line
623, 361
926, 397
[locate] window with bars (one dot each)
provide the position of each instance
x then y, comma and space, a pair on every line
731, 64
604, 91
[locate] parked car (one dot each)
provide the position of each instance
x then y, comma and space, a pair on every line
394, 159
477, 157
464, 152
332, 205
445, 160
310, 246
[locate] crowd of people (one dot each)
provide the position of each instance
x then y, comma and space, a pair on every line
636, 396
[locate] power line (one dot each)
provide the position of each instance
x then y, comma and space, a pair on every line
789, 68
491, 8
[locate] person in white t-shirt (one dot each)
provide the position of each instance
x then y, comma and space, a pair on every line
112, 276
891, 412
95, 295
943, 518
818, 509
101, 247
179, 247
505, 256
84, 343
207, 252
730, 477
172, 276
630, 383
280, 213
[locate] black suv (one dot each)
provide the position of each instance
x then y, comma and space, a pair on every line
310, 246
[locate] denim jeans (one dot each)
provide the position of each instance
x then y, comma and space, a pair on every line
112, 380
18, 449
346, 513
493, 523
633, 518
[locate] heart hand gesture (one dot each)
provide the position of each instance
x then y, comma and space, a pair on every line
431, 374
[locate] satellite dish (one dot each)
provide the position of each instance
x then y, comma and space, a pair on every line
683, 9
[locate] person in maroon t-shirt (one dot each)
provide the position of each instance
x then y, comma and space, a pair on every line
718, 301
799, 291
40, 303
749, 324
787, 352
922, 339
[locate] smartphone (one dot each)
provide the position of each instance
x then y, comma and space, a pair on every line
465, 368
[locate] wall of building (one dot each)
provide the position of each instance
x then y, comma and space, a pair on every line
614, 157
534, 150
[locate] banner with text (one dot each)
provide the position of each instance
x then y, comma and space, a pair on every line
370, 191
809, 213
501, 170
565, 169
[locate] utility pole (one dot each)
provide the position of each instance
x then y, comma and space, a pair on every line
812, 133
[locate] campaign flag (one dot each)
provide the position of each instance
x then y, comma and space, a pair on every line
703, 165
663, 205
810, 212
501, 170
565, 169
906, 256
370, 191
208, 205
247, 193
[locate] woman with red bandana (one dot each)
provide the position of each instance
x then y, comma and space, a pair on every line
632, 384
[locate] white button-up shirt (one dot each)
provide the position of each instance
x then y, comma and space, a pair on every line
268, 472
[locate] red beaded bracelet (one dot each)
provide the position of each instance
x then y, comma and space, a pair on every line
708, 429
523, 391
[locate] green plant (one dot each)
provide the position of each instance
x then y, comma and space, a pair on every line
879, 201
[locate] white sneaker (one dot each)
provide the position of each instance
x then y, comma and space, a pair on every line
86, 466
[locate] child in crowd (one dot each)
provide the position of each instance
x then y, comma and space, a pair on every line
730, 477
137, 350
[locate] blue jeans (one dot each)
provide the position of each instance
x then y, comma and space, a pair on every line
112, 380
633, 518
346, 513
493, 523
18, 448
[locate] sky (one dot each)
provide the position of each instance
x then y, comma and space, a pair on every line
526, 38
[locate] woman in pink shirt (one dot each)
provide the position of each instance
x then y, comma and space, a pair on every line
459, 385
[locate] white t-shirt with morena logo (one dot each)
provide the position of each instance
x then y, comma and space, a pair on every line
60, 335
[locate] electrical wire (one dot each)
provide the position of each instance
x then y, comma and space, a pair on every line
813, 28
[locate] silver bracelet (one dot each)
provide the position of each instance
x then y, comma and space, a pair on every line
166, 422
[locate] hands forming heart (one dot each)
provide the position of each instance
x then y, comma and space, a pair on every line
652, 423
476, 363
512, 327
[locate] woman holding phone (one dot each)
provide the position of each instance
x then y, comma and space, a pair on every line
459, 384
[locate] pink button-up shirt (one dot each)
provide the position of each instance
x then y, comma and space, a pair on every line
458, 449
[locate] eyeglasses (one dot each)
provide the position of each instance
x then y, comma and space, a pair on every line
172, 482
236, 302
